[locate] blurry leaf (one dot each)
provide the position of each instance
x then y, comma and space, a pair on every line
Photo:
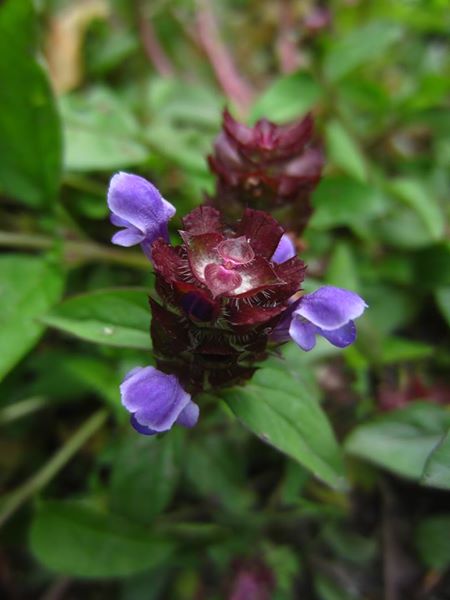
396, 349
343, 201
182, 103
144, 475
327, 589
390, 307
341, 270
432, 266
344, 152
285, 563
215, 469
100, 132
443, 301
284, 412
402, 440
359, 47
72, 539
432, 540
349, 545
403, 229
29, 286
413, 193
185, 147
437, 468
288, 98
98, 375
115, 317
30, 133
294, 480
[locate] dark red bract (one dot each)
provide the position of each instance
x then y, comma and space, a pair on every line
267, 167
219, 297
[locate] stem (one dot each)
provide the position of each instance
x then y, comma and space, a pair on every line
153, 49
234, 86
21, 409
75, 250
40, 479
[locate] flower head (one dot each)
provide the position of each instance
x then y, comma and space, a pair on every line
329, 312
156, 401
138, 207
268, 166
220, 294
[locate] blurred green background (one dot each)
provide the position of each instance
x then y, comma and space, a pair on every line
90, 509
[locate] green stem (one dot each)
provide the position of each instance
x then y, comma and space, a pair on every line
21, 409
75, 250
40, 479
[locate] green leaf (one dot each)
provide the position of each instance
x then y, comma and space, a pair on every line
100, 132
359, 47
432, 540
436, 472
414, 194
342, 271
216, 470
443, 301
342, 201
115, 317
30, 133
72, 539
288, 98
29, 286
283, 410
344, 151
402, 440
144, 475
395, 349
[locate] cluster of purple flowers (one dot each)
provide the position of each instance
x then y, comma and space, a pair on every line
231, 290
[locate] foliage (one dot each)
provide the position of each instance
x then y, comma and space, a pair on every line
343, 460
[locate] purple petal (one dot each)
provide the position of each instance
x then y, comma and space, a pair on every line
331, 307
281, 331
135, 201
154, 398
141, 428
188, 417
118, 222
128, 237
285, 250
341, 337
303, 334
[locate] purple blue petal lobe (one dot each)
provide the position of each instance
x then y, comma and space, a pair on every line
340, 337
156, 401
328, 312
331, 307
285, 250
303, 334
138, 207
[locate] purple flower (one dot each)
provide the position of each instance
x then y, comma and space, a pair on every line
156, 401
138, 207
285, 250
328, 312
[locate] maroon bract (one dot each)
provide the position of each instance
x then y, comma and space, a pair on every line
219, 297
269, 167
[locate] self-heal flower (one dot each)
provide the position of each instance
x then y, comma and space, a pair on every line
329, 312
138, 207
219, 294
156, 401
